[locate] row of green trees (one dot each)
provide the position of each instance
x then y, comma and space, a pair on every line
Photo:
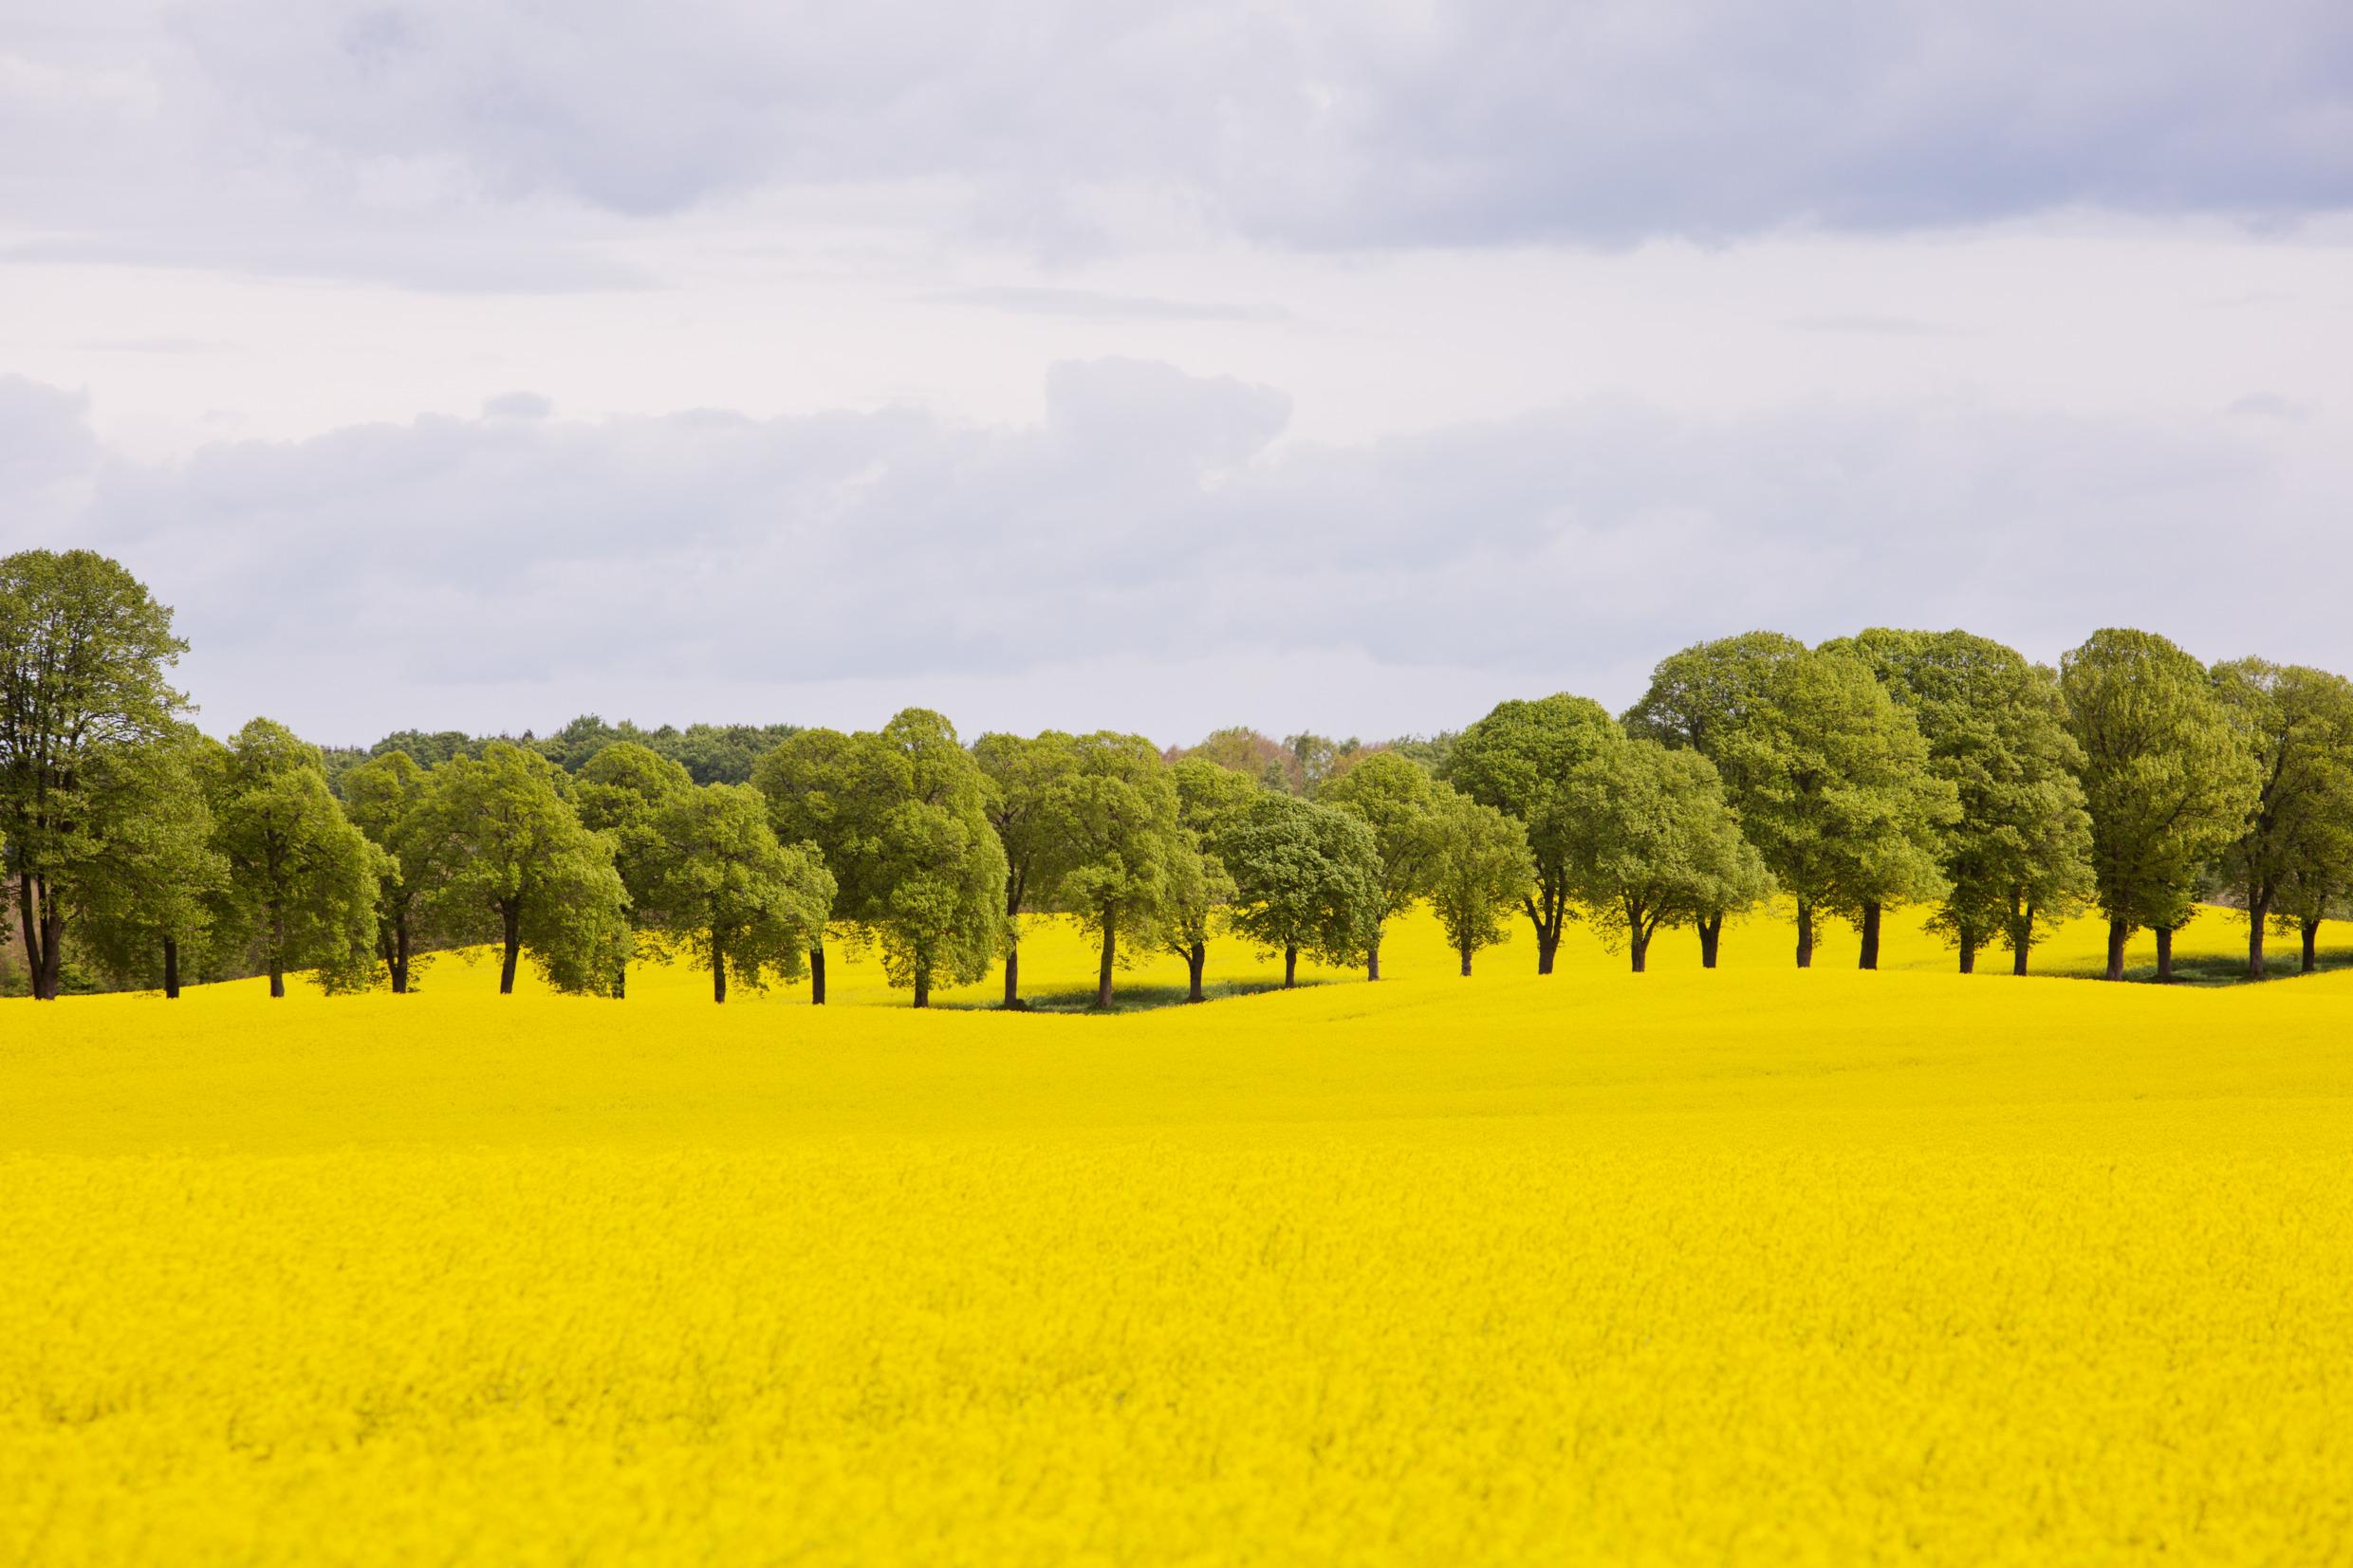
1887, 769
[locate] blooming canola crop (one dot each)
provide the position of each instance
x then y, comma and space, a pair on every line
1741, 1265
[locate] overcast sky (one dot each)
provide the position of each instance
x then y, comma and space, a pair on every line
1348, 364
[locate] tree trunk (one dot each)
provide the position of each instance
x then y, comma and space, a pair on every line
512, 917
1638, 945
1805, 935
400, 957
31, 918
2311, 941
2018, 958
817, 975
1547, 946
719, 970
170, 969
277, 977
1465, 963
1969, 954
1870, 959
1290, 966
2117, 931
1110, 951
2258, 915
621, 980
1372, 961
923, 985
277, 955
1194, 962
1013, 977
2164, 954
1711, 933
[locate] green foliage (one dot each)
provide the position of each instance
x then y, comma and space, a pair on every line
1024, 773
1829, 777
1306, 878
710, 753
901, 817
152, 875
2168, 775
2297, 844
1655, 844
302, 881
621, 792
1398, 800
514, 865
1239, 748
1481, 871
1208, 798
745, 906
2018, 860
835, 791
389, 798
1518, 760
84, 649
1114, 811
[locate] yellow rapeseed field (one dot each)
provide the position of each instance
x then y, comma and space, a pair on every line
1743, 1266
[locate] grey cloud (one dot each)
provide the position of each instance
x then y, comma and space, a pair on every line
1151, 521
258, 135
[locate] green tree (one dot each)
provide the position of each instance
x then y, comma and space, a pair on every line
1306, 876
621, 791
389, 798
2018, 860
302, 880
1208, 798
1518, 760
1398, 800
1829, 777
84, 649
1115, 811
514, 865
1655, 844
833, 790
1482, 870
2168, 776
2297, 724
142, 894
746, 906
937, 878
1023, 774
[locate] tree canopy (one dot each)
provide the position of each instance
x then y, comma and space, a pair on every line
1518, 760
2296, 725
514, 866
302, 881
1829, 777
2168, 776
1655, 844
2017, 860
745, 906
1306, 880
1115, 811
84, 652
1398, 800
1480, 872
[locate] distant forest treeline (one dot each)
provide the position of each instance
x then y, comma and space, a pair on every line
724, 753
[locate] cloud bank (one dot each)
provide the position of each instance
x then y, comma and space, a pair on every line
516, 567
476, 142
